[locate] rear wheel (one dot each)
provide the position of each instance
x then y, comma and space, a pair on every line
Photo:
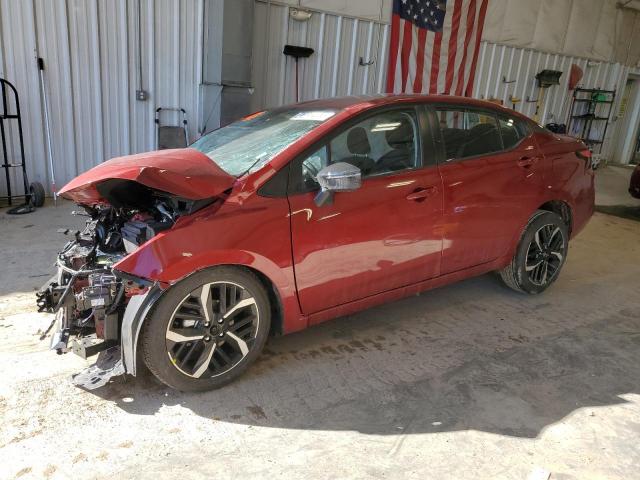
207, 329
540, 256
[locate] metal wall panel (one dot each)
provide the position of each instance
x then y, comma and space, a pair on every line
211, 89
333, 70
84, 48
114, 37
91, 54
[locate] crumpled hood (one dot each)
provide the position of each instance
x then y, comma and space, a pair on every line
184, 172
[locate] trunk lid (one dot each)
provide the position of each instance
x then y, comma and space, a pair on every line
183, 172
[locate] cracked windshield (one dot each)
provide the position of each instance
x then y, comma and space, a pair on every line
248, 144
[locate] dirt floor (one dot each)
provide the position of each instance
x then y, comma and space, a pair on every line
467, 381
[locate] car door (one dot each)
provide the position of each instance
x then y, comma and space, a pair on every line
382, 236
491, 180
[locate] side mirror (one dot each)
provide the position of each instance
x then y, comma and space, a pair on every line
338, 177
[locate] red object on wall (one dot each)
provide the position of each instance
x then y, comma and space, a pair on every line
575, 75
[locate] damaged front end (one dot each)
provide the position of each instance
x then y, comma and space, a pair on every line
99, 309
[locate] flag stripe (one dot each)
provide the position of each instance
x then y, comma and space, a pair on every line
398, 75
453, 45
435, 63
412, 58
422, 40
393, 52
471, 50
471, 17
472, 71
406, 51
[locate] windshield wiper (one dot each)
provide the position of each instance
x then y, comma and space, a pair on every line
258, 159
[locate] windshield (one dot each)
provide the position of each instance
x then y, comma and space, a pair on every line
250, 143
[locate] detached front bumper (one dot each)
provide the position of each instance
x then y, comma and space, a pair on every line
108, 363
116, 350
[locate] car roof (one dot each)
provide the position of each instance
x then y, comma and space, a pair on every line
364, 102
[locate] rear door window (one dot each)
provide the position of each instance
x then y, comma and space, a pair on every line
468, 133
513, 131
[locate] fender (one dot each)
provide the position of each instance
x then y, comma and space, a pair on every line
137, 310
147, 264
139, 306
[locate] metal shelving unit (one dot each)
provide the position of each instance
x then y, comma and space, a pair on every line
589, 115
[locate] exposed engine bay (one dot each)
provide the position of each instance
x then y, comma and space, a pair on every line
87, 294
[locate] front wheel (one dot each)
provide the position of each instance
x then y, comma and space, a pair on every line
540, 256
206, 330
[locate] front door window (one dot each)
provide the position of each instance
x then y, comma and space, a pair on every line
379, 145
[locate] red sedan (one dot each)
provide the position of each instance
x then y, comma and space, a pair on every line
303, 213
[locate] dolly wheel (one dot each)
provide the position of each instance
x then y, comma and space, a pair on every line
36, 194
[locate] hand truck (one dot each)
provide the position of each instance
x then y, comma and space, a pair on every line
33, 192
171, 136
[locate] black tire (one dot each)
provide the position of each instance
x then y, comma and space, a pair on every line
170, 323
37, 194
526, 272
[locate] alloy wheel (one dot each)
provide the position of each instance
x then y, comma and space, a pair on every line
212, 329
545, 254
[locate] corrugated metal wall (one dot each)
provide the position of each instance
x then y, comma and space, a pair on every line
90, 49
339, 43
333, 70
498, 63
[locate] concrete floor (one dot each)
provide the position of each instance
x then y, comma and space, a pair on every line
467, 381
613, 187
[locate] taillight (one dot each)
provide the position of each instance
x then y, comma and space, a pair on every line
586, 155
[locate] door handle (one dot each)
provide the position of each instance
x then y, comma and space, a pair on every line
526, 162
421, 194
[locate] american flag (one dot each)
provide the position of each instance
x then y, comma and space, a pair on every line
434, 46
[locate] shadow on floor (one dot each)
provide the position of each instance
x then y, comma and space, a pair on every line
408, 368
623, 211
